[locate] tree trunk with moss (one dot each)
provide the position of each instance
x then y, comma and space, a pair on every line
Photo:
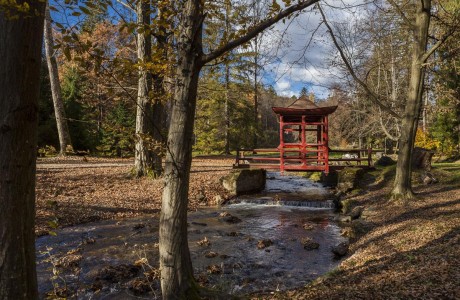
402, 189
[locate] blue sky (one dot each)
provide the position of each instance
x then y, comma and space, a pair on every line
306, 51
301, 47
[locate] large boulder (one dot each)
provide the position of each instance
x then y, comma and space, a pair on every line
421, 163
421, 158
385, 161
340, 249
330, 179
348, 179
356, 212
309, 244
244, 181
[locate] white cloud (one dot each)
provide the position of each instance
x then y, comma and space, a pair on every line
283, 87
303, 51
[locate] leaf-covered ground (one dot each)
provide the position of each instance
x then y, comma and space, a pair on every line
77, 190
397, 251
400, 251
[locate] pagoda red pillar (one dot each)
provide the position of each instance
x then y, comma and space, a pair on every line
281, 146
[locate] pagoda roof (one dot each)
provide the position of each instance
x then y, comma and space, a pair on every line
303, 106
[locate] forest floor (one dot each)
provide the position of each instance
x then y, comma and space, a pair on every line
397, 251
75, 190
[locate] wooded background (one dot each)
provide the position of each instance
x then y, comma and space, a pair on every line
100, 81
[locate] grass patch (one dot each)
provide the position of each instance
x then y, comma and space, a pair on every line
383, 174
447, 172
347, 205
313, 176
332, 273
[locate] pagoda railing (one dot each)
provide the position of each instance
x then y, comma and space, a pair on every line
293, 158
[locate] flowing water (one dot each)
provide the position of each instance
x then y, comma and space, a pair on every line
239, 248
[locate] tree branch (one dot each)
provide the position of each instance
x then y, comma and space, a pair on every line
402, 14
374, 97
256, 30
384, 129
129, 7
436, 46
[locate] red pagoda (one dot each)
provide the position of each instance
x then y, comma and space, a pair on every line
303, 136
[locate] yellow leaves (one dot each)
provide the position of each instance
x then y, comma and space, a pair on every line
156, 67
424, 140
12, 9
274, 8
453, 6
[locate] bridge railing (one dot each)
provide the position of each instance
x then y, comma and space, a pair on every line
269, 158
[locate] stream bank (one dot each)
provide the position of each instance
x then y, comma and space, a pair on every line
240, 248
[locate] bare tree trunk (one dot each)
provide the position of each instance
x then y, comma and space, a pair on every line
256, 73
143, 158
160, 98
175, 263
227, 81
256, 92
59, 111
177, 280
159, 121
20, 45
402, 189
424, 115
227, 108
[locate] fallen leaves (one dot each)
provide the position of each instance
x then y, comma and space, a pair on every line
71, 191
262, 244
399, 252
204, 242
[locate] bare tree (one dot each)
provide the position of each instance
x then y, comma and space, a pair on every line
21, 35
175, 262
143, 160
403, 186
419, 29
150, 116
59, 111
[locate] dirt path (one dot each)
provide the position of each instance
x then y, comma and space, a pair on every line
46, 166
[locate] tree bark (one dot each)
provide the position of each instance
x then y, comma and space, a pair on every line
227, 80
175, 263
256, 86
160, 96
159, 121
59, 111
177, 280
256, 94
402, 189
20, 46
227, 107
143, 158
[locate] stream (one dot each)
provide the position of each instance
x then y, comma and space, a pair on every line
254, 244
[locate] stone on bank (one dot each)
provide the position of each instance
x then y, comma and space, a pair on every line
244, 181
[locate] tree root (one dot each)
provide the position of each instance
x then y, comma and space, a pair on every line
402, 198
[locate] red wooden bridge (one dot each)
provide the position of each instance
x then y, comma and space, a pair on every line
303, 143
270, 159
